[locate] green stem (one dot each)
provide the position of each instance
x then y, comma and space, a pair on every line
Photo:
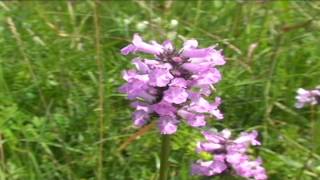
313, 127
165, 151
227, 177
313, 140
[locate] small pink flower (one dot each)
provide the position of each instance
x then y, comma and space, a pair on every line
311, 97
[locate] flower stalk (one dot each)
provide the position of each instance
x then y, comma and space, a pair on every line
164, 159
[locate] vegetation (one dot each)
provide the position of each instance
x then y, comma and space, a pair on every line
60, 64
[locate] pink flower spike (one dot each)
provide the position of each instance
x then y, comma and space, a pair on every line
174, 84
229, 155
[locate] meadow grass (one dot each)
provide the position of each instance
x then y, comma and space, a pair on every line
62, 118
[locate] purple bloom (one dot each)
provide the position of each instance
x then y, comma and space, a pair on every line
193, 119
128, 49
142, 106
164, 108
141, 66
200, 105
210, 168
207, 77
229, 155
197, 120
178, 82
168, 124
203, 168
196, 53
210, 55
140, 118
139, 45
251, 169
175, 95
192, 43
311, 97
173, 85
160, 77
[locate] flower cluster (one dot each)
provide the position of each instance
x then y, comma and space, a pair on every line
173, 84
229, 155
304, 97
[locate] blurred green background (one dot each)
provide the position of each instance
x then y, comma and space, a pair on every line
52, 126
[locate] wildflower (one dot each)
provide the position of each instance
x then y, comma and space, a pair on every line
141, 26
174, 23
172, 85
229, 155
304, 97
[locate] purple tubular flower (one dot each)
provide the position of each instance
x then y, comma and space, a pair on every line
203, 168
175, 95
207, 77
164, 108
172, 86
179, 82
311, 97
210, 168
192, 43
160, 77
141, 106
197, 120
200, 105
251, 169
128, 49
141, 66
140, 118
194, 120
196, 53
208, 146
139, 45
168, 124
210, 55
167, 45
229, 154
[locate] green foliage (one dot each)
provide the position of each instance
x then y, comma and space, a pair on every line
49, 83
